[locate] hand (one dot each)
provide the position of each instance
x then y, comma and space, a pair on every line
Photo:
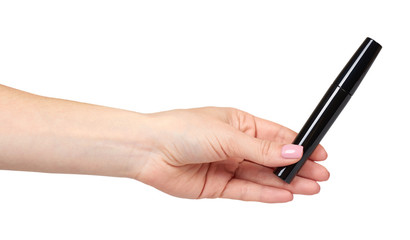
223, 152
196, 153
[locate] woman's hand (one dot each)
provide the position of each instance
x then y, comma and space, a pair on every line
222, 152
196, 153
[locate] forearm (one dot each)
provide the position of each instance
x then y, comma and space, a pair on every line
53, 135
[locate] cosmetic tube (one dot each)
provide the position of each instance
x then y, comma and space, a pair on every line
331, 105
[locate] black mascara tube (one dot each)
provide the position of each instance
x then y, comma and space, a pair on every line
331, 105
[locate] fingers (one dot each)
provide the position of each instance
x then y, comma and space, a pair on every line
275, 132
264, 175
250, 191
314, 171
263, 152
261, 128
319, 154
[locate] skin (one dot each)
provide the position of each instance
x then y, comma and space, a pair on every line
206, 152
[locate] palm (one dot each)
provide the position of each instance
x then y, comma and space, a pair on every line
204, 180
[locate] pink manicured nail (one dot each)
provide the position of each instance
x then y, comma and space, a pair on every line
292, 151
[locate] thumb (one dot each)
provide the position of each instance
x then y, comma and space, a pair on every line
264, 152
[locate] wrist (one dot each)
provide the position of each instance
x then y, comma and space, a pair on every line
136, 144
120, 143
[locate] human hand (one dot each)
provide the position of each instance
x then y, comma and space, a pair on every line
222, 152
196, 153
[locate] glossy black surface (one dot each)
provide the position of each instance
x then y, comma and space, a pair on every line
331, 105
355, 70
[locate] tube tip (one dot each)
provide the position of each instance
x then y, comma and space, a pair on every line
355, 70
374, 41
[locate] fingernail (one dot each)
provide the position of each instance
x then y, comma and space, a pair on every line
292, 151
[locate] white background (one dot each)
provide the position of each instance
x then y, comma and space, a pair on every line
274, 59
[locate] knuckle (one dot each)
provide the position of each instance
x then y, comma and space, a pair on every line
244, 122
266, 149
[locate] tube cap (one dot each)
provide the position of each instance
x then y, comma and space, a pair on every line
352, 74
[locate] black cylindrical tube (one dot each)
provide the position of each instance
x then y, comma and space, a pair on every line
331, 105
